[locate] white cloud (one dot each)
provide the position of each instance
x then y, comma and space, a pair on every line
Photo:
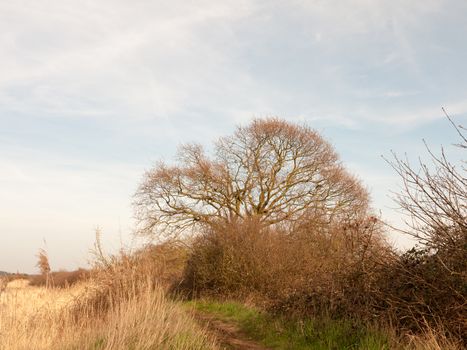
408, 119
172, 71
139, 62
152, 60
61, 201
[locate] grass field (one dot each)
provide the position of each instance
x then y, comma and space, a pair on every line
39, 318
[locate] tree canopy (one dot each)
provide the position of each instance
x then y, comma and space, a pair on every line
271, 169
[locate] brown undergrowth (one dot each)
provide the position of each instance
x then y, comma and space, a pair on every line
121, 305
342, 272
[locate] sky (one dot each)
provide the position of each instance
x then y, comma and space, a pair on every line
93, 93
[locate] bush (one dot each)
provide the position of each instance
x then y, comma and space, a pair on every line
417, 293
230, 260
343, 271
428, 285
59, 279
332, 268
309, 268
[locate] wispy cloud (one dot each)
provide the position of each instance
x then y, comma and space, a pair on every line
92, 92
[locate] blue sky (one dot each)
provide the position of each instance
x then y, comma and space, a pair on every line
94, 92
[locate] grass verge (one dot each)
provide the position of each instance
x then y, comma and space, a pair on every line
284, 333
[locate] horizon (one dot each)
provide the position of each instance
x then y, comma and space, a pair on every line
93, 94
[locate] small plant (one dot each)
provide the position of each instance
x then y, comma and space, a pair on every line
43, 265
3, 284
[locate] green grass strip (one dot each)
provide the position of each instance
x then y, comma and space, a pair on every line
282, 333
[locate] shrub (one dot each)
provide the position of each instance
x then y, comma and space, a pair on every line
311, 267
229, 259
417, 293
428, 285
59, 279
332, 268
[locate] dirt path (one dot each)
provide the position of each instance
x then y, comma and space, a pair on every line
228, 334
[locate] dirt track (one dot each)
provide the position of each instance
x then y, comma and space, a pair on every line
228, 334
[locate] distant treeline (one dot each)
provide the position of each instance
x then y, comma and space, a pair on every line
57, 279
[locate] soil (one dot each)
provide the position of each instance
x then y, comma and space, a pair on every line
228, 334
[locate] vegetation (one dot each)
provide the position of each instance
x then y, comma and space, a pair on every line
340, 267
272, 220
59, 279
278, 332
429, 282
44, 266
116, 308
271, 170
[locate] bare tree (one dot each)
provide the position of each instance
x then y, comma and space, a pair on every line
271, 169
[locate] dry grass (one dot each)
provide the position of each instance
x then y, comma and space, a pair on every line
28, 313
39, 318
20, 300
432, 340
59, 279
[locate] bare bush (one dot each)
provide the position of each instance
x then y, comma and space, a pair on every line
334, 267
428, 284
59, 279
435, 199
315, 268
231, 260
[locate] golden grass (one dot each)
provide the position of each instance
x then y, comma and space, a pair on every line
39, 318
432, 340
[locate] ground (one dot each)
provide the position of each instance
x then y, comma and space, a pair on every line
228, 334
